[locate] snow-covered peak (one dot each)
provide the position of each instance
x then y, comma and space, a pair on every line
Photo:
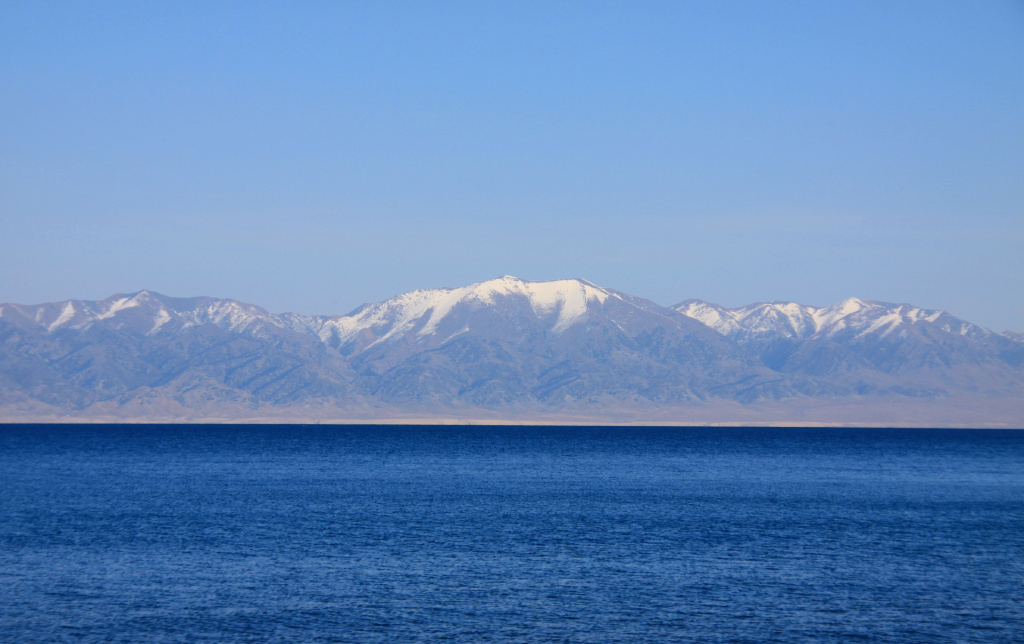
424, 310
569, 297
878, 318
711, 315
786, 318
834, 317
147, 312
792, 320
230, 314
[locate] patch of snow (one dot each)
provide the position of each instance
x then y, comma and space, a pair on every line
785, 318
797, 317
457, 333
713, 316
162, 318
233, 315
832, 319
65, 316
890, 321
119, 305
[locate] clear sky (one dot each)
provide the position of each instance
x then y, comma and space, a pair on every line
314, 156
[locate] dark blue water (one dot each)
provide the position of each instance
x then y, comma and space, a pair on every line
384, 534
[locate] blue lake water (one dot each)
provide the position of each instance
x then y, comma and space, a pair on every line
509, 534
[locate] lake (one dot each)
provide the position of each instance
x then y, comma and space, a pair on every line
141, 533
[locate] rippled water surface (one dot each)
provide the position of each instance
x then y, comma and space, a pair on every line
509, 534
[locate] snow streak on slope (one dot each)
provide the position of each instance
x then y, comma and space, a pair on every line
570, 299
65, 315
120, 304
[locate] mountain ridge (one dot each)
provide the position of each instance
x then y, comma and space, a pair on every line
506, 347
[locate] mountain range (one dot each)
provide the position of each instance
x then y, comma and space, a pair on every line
507, 350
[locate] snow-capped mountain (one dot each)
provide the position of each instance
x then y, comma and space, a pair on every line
435, 316
851, 316
507, 345
506, 340
186, 353
858, 335
424, 313
145, 311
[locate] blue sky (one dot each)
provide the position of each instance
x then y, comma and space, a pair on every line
315, 156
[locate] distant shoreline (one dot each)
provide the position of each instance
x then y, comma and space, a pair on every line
479, 422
